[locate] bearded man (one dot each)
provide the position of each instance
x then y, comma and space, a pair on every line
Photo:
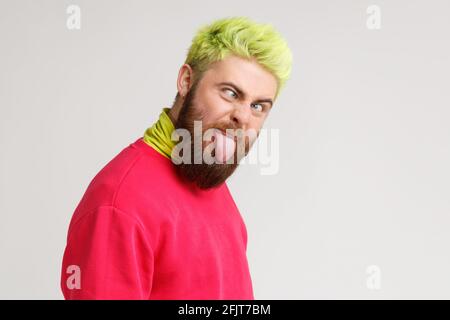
158, 221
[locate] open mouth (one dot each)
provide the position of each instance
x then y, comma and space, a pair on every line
225, 145
229, 134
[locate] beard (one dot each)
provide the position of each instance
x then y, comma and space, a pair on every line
204, 175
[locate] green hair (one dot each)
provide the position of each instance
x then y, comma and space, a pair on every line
245, 38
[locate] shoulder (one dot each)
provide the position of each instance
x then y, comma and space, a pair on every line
128, 181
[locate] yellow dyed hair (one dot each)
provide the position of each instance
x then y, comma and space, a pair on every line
244, 38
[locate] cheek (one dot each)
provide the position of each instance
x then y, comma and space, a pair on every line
214, 107
216, 104
256, 123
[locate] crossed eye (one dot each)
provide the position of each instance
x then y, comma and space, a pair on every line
233, 94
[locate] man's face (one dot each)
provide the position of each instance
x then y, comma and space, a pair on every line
234, 93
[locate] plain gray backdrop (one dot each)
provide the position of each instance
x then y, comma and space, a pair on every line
364, 126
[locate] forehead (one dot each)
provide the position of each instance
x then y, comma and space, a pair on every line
247, 74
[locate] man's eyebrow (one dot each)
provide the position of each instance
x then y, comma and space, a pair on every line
242, 93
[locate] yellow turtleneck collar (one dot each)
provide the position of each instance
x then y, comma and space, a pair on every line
159, 135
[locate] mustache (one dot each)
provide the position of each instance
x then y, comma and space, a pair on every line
190, 114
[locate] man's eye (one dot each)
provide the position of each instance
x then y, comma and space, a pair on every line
258, 107
231, 93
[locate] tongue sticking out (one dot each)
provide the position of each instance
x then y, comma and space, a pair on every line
224, 146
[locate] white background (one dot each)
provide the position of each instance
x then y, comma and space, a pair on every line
364, 126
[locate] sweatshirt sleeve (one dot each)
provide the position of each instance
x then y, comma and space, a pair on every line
107, 256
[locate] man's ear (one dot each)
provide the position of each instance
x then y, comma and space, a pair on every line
185, 79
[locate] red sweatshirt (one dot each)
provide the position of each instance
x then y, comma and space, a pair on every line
142, 232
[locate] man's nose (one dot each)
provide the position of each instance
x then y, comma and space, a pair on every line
241, 116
